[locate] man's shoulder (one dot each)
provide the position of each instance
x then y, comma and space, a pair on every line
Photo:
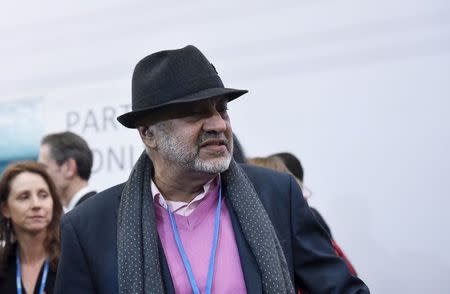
85, 197
261, 175
98, 205
269, 184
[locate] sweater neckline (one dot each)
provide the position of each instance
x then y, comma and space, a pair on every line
190, 222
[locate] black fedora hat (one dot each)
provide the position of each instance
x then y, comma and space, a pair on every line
171, 77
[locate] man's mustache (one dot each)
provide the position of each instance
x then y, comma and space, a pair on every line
212, 136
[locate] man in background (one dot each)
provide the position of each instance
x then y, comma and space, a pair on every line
68, 159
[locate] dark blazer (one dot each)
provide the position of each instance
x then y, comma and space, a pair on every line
88, 262
85, 197
8, 278
321, 221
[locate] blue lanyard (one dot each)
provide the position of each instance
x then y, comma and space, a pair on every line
19, 275
212, 258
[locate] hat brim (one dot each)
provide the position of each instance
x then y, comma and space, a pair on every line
130, 119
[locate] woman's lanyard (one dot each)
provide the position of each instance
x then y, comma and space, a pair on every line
19, 275
186, 263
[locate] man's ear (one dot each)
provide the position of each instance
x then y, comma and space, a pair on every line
147, 136
145, 132
70, 168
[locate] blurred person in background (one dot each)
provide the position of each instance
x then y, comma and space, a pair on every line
294, 167
68, 160
29, 229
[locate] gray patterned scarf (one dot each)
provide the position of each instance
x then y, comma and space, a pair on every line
137, 237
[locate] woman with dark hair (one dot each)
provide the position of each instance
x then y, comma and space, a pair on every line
29, 229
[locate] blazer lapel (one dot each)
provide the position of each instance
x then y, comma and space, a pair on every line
252, 276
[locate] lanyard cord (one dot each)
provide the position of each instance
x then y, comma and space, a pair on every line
19, 275
212, 257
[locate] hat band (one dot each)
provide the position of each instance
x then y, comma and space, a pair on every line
170, 93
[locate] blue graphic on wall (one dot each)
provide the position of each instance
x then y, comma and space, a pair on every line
21, 129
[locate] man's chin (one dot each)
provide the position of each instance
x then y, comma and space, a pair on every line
213, 166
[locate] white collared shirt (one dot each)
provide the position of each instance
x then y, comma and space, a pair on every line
179, 207
83, 191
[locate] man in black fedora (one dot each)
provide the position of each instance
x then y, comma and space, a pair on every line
190, 219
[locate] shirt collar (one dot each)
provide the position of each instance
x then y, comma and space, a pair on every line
83, 191
176, 205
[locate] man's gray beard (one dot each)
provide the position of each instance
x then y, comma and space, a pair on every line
180, 154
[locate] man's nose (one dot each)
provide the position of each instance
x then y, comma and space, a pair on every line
215, 122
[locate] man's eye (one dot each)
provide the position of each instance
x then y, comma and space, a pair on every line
223, 111
222, 107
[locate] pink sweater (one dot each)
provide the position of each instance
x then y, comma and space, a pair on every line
196, 233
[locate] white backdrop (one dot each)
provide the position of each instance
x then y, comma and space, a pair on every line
359, 90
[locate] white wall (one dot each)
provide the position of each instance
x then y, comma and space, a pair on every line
358, 90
